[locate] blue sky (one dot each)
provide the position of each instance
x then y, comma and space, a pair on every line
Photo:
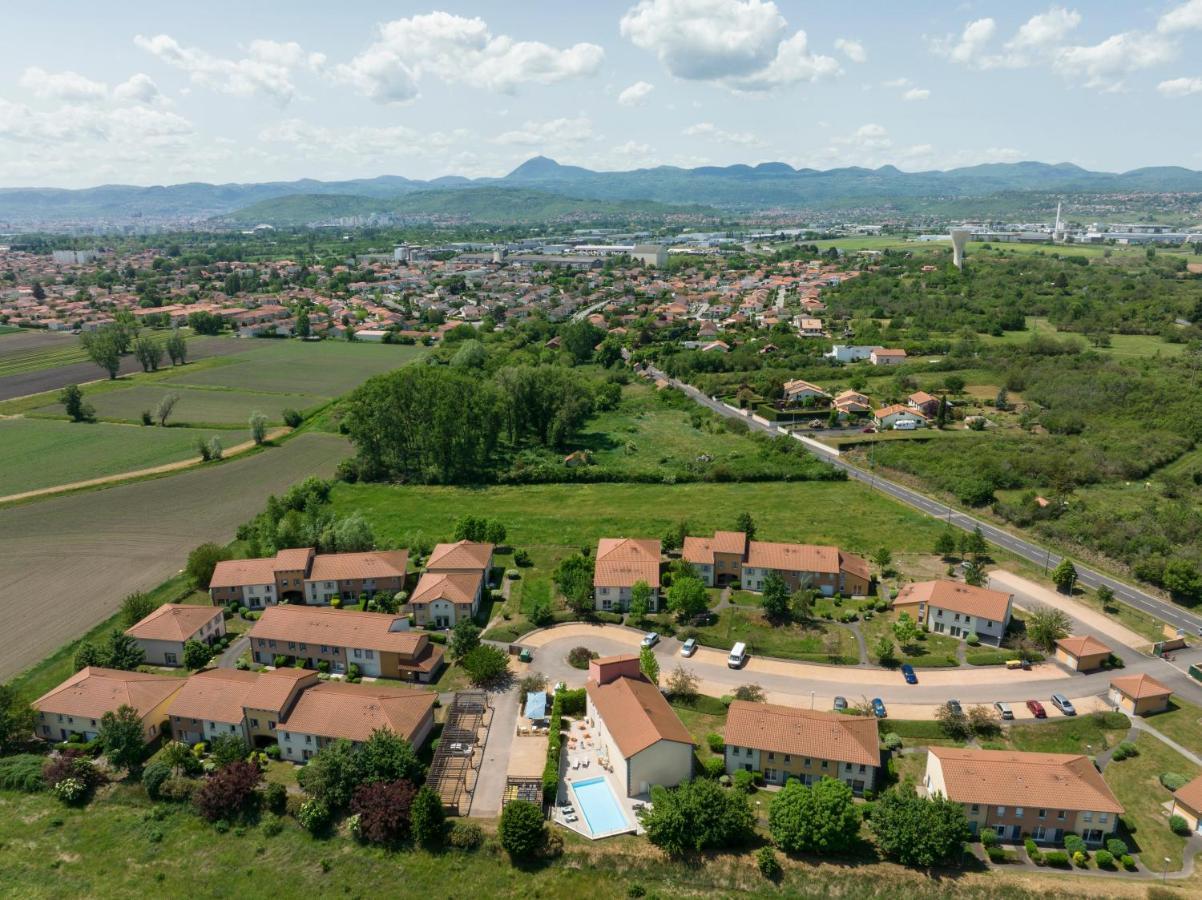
151, 93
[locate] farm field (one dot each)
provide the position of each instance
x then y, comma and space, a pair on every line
38, 453
196, 406
68, 561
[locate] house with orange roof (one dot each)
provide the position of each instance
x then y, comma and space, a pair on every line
377, 644
852, 403
798, 392
78, 704
1140, 695
884, 356
1082, 652
1187, 803
1014, 794
218, 702
825, 569
957, 609
640, 733
302, 575
925, 403
443, 598
786, 742
461, 556
619, 564
163, 633
717, 560
897, 416
332, 711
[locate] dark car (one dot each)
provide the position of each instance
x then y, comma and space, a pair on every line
878, 708
840, 704
1037, 709
907, 671
955, 707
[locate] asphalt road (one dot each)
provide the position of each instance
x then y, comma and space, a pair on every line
1133, 596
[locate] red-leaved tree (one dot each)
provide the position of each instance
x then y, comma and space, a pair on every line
383, 810
228, 792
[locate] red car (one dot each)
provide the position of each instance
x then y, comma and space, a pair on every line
869, 430
1037, 709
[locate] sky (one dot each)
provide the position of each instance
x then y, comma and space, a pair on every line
262, 90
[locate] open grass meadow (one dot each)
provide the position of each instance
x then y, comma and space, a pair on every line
38, 453
822, 642
221, 407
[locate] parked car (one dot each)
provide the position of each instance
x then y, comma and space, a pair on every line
817, 423
1037, 709
689, 647
955, 707
1063, 704
907, 671
1004, 710
868, 430
651, 638
738, 656
878, 708
840, 704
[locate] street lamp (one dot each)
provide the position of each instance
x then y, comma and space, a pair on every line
1165, 874
811, 699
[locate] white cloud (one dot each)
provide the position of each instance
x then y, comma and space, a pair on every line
916, 94
870, 137
459, 50
363, 142
853, 50
972, 42
896, 83
1180, 87
741, 44
62, 85
138, 88
83, 123
1102, 65
1045, 29
636, 93
268, 68
711, 132
554, 132
1186, 17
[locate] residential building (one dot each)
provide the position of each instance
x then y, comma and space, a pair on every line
620, 564
301, 575
645, 740
379, 644
443, 598
1187, 803
331, 711
853, 403
718, 560
896, 415
798, 392
729, 558
1044, 795
462, 556
808, 327
846, 353
1082, 653
883, 356
163, 633
78, 704
1140, 695
650, 254
956, 609
925, 403
250, 705
785, 742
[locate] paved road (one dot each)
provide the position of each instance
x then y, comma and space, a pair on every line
1028, 550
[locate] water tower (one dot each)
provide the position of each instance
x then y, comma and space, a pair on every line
959, 242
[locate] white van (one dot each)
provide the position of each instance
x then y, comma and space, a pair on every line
905, 425
738, 656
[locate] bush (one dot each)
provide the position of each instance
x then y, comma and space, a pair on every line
292, 418
1178, 825
313, 815
465, 836
275, 797
228, 793
973, 639
1056, 858
153, 777
1074, 844
485, 665
714, 766
580, 657
769, 865
1128, 862
1173, 781
698, 815
70, 766
522, 832
22, 773
1125, 750
1117, 847
715, 743
70, 790
995, 854
381, 810
1104, 859
521, 559
989, 838
178, 789
273, 752
1080, 859
892, 741
743, 781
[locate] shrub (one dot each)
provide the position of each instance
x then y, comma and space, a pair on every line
989, 838
1056, 858
427, 822
1079, 859
465, 836
1104, 859
153, 777
1173, 781
698, 815
714, 766
995, 854
70, 790
485, 665
715, 743
1073, 843
177, 789
521, 559
229, 792
769, 865
522, 831
382, 808
580, 657
275, 797
1128, 862
973, 639
892, 741
313, 815
1125, 750
744, 781
273, 752
70, 766
22, 773
1117, 847
1178, 825
272, 826
292, 418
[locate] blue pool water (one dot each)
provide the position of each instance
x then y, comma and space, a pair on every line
599, 805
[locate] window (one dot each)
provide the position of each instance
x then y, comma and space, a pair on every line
1088, 817
358, 654
1060, 816
788, 758
271, 644
371, 654
809, 762
254, 723
976, 807
292, 645
304, 646
863, 769
1103, 818
308, 739
1001, 810
825, 764
771, 756
1018, 812
271, 726
1043, 814
325, 649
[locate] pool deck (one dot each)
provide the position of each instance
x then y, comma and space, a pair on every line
566, 795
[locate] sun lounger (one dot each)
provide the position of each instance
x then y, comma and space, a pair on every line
571, 818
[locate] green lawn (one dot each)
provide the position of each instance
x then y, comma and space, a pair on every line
1089, 734
1135, 783
38, 453
196, 406
929, 651
785, 641
1182, 723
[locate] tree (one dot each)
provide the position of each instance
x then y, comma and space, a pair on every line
775, 598
953, 721
228, 748
884, 651
471, 355
383, 809
905, 629
201, 563
1105, 597
386, 756
350, 534
649, 665
687, 597
818, 819
883, 557
954, 383
205, 322
522, 831
682, 684
746, 524
71, 397
1046, 625
104, 348
674, 537
976, 543
974, 573
176, 346
136, 607
149, 353
197, 654
801, 604
574, 578
984, 721
945, 544
579, 339
228, 793
698, 815
17, 719
122, 652
917, 831
1182, 580
162, 412
331, 775
427, 820
465, 637
258, 427
485, 665
1064, 576
640, 601
121, 736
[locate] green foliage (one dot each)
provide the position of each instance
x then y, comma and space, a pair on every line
698, 815
640, 601
1178, 825
1064, 576
121, 738
136, 607
197, 654
574, 578
817, 819
687, 597
465, 835
521, 830
485, 665
768, 864
71, 397
649, 665
1046, 625
314, 815
228, 748
335, 771
17, 719
201, 563
775, 601
120, 651
22, 772
917, 831
427, 820
465, 637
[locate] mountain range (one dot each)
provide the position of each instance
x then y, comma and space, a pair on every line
552, 189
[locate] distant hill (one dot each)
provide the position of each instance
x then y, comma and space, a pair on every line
489, 204
770, 185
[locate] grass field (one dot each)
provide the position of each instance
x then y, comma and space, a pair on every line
1182, 723
38, 453
196, 406
792, 641
930, 651
1121, 345
28, 352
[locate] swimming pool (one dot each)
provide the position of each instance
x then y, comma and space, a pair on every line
600, 807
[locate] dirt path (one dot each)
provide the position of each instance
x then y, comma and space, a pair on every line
1016, 584
137, 473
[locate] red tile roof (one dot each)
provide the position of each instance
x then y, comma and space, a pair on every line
623, 561
957, 597
338, 710
93, 691
1035, 780
337, 628
460, 555
347, 566
803, 732
173, 622
1139, 687
1082, 645
636, 714
457, 587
